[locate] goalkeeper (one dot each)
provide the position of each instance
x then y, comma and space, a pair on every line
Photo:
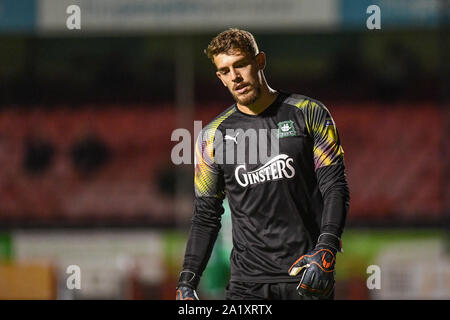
288, 209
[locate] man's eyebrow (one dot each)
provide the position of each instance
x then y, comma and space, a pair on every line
240, 60
234, 63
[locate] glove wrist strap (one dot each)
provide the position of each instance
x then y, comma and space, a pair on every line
188, 278
329, 240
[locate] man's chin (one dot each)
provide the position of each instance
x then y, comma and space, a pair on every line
246, 100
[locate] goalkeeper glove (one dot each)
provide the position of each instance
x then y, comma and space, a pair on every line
317, 268
186, 286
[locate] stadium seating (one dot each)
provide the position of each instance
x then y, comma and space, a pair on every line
392, 153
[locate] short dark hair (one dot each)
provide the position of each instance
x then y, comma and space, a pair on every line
230, 40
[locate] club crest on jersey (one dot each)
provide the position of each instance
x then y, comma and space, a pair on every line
286, 129
279, 167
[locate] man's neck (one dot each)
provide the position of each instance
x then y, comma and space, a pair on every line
268, 96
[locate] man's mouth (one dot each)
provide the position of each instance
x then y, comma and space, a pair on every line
241, 88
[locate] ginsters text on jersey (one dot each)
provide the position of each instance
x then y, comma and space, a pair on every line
278, 167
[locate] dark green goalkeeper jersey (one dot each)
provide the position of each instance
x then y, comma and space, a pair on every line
283, 174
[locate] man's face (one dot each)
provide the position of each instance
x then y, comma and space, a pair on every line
241, 74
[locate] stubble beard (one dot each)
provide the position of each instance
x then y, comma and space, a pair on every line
249, 98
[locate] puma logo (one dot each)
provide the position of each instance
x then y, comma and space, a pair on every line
228, 137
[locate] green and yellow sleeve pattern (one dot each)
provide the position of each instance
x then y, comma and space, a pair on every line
321, 126
208, 180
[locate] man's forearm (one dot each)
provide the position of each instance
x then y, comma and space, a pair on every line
336, 197
202, 236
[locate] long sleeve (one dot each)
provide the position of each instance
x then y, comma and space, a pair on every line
329, 167
336, 197
209, 195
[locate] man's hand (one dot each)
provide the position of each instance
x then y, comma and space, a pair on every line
186, 286
317, 268
186, 293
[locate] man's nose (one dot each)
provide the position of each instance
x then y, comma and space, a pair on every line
235, 76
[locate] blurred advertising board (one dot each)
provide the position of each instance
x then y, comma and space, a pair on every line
188, 15
17, 16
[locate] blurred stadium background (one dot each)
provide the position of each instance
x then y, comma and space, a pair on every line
86, 118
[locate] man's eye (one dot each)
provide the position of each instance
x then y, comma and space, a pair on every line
241, 65
224, 71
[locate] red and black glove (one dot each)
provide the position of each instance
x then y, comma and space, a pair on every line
186, 286
317, 268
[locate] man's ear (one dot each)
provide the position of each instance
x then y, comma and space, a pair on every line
261, 60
